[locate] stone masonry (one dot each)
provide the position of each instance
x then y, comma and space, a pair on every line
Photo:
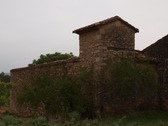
109, 38
159, 51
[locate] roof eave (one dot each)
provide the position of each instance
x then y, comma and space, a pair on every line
81, 30
87, 28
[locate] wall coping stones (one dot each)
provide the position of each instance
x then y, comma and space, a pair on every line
60, 62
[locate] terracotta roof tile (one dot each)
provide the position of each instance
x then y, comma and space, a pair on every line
109, 20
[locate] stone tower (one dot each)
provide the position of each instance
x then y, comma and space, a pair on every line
99, 39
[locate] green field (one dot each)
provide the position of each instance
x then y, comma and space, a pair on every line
155, 118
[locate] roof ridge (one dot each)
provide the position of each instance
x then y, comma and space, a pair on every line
103, 22
159, 40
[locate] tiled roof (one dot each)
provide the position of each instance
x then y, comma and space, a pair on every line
109, 20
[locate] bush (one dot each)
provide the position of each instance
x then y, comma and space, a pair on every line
129, 82
5, 93
11, 121
154, 118
4, 77
66, 95
39, 121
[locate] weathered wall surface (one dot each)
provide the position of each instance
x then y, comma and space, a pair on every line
87, 46
159, 50
164, 79
57, 69
27, 75
104, 101
104, 52
115, 35
97, 44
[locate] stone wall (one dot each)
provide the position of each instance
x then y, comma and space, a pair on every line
87, 43
27, 75
115, 35
165, 84
159, 51
103, 101
97, 44
72, 66
103, 51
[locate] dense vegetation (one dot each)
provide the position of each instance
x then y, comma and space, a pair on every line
155, 118
5, 93
66, 95
131, 82
125, 82
51, 57
4, 77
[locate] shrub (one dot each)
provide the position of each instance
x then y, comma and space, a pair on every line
39, 121
11, 121
126, 82
68, 94
5, 93
130, 82
4, 77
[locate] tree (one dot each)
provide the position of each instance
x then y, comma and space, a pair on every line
51, 57
4, 78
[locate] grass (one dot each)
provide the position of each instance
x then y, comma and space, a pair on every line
154, 118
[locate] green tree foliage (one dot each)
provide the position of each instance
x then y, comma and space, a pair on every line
130, 82
4, 93
4, 78
69, 94
51, 57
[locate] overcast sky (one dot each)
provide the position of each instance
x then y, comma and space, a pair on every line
29, 28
